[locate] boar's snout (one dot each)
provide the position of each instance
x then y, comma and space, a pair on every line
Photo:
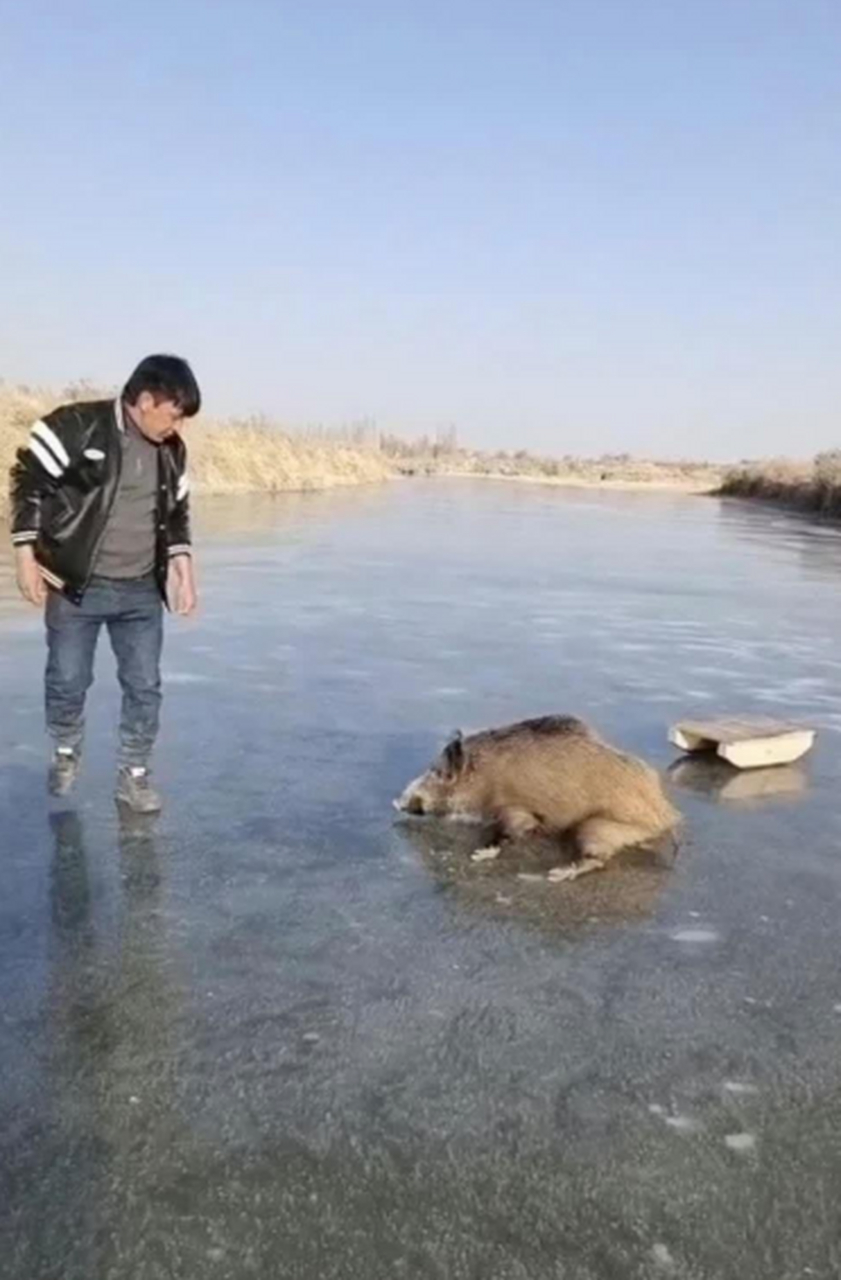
413, 804
419, 798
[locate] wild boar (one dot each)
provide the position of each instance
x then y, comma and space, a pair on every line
550, 776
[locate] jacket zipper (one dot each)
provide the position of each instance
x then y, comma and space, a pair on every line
113, 499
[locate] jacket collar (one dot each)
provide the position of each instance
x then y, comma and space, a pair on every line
119, 415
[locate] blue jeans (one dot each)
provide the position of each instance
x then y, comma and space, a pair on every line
132, 611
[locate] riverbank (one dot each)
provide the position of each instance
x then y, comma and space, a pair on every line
660, 477
811, 488
235, 456
258, 456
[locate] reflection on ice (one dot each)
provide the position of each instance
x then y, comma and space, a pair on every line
717, 780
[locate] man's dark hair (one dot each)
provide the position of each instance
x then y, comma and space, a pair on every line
165, 378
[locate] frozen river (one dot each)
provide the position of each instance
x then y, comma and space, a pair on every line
275, 1034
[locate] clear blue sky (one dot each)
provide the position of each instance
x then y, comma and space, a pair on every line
588, 225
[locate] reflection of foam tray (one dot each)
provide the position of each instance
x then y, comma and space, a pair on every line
719, 780
748, 742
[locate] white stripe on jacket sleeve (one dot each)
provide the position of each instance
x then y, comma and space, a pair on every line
183, 487
46, 459
48, 437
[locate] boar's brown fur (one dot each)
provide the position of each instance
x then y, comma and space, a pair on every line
547, 776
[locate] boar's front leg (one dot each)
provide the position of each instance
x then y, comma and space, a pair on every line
509, 824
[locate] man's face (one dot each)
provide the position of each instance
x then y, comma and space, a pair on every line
157, 422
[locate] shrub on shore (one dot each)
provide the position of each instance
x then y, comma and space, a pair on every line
812, 487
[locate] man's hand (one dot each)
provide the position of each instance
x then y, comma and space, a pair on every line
181, 585
30, 583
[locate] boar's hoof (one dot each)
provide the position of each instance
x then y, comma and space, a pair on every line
559, 875
486, 855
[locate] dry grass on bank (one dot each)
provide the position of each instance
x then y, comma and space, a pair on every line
810, 487
253, 455
226, 457
247, 456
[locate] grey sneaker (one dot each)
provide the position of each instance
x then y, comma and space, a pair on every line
64, 770
135, 790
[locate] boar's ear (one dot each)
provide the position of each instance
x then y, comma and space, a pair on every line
454, 753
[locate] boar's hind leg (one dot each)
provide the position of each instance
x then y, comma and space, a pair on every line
601, 838
598, 839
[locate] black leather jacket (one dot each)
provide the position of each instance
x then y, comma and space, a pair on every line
63, 486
